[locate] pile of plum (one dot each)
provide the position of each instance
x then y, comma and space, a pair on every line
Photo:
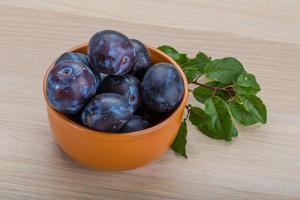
134, 94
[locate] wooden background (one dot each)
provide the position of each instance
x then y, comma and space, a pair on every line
262, 163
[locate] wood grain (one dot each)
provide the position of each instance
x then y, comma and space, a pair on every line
262, 163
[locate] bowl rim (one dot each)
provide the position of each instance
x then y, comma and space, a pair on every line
123, 135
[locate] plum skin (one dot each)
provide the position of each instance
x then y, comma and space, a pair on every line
73, 56
142, 59
163, 87
127, 86
69, 86
78, 57
106, 112
135, 123
111, 52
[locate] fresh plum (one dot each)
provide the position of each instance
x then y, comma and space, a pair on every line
162, 88
69, 86
79, 57
135, 123
111, 52
127, 86
106, 112
142, 59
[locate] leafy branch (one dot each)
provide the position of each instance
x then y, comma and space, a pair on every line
229, 95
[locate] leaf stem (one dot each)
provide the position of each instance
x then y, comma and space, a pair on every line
230, 94
226, 88
200, 84
188, 107
214, 92
198, 77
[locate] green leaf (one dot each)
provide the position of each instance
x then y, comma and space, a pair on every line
194, 67
225, 70
215, 121
198, 117
246, 84
206, 131
200, 60
244, 90
241, 115
202, 93
173, 53
255, 106
192, 73
210, 133
248, 80
233, 133
220, 125
180, 141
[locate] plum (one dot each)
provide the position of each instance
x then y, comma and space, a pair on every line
142, 59
135, 123
69, 86
127, 86
111, 52
163, 87
73, 56
106, 112
79, 57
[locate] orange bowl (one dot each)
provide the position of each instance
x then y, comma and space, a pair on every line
106, 151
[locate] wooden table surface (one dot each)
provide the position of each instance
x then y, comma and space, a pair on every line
262, 163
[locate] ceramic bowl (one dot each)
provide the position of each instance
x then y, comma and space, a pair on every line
107, 151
